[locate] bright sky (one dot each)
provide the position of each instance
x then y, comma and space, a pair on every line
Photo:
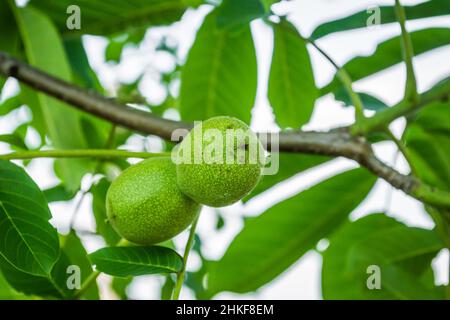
302, 280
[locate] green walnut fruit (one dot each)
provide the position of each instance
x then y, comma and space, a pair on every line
219, 161
144, 204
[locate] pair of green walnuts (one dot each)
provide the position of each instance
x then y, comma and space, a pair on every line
158, 198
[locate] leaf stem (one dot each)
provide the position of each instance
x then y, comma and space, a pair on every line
342, 74
354, 97
91, 279
76, 210
81, 153
402, 148
180, 275
345, 79
408, 54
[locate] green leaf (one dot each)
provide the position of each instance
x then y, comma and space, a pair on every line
167, 288
76, 253
426, 9
388, 53
268, 4
96, 132
236, 14
292, 90
403, 255
47, 53
116, 44
290, 164
82, 72
428, 141
136, 261
103, 17
120, 285
9, 37
370, 102
29, 242
113, 51
257, 255
13, 140
9, 105
104, 228
220, 74
58, 193
7, 292
406, 286
220, 222
29, 97
51, 285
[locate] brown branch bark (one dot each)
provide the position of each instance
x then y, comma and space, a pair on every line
338, 142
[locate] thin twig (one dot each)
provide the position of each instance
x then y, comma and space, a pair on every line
81, 153
187, 250
342, 74
76, 210
408, 54
404, 151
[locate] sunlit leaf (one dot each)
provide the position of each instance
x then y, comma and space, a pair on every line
292, 90
219, 77
425, 9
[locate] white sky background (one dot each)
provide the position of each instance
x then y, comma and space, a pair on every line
302, 280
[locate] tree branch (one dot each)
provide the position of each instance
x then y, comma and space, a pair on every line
89, 101
338, 142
